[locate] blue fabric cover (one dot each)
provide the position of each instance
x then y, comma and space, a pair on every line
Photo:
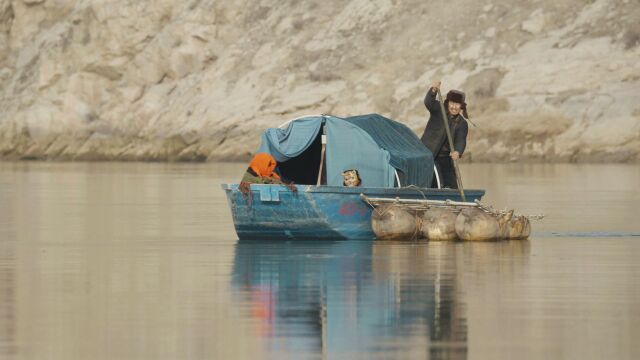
285, 144
371, 144
407, 153
349, 147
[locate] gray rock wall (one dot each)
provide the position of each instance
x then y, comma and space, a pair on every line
199, 80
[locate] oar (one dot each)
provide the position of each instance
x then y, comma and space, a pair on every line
451, 148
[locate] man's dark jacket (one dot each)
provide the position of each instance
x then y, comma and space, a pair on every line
435, 135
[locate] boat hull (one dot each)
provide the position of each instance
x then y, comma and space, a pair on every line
316, 212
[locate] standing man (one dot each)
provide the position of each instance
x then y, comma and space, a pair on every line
435, 135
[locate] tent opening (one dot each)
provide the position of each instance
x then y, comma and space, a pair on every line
303, 169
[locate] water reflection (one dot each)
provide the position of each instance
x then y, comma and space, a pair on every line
140, 261
385, 299
8, 277
7, 301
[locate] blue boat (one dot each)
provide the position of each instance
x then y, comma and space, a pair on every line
314, 152
317, 212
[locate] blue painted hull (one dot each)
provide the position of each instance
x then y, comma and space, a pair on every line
316, 212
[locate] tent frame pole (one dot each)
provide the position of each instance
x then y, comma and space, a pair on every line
324, 145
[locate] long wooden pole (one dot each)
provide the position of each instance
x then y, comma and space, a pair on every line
451, 148
321, 164
324, 141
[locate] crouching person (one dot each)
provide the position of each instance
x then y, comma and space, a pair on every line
261, 170
351, 178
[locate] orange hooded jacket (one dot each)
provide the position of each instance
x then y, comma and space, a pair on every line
263, 165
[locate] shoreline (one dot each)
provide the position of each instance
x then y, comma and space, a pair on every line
61, 160
484, 147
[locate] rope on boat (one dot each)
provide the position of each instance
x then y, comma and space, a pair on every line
422, 205
413, 187
489, 209
416, 204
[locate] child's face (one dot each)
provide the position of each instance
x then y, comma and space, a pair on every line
350, 178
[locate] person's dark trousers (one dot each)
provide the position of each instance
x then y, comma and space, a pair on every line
447, 173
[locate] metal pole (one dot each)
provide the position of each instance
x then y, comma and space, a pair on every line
451, 148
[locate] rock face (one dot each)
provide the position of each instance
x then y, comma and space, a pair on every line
200, 79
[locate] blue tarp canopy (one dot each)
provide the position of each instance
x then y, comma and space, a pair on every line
379, 148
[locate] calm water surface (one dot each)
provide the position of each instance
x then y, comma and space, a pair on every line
141, 261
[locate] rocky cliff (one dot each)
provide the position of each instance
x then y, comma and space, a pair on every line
200, 79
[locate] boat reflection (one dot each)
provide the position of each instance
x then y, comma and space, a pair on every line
8, 317
353, 297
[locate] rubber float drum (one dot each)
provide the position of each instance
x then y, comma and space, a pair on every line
391, 222
503, 221
519, 228
439, 224
473, 224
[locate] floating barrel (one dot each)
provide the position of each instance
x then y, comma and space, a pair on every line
519, 228
473, 224
439, 224
391, 222
503, 221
